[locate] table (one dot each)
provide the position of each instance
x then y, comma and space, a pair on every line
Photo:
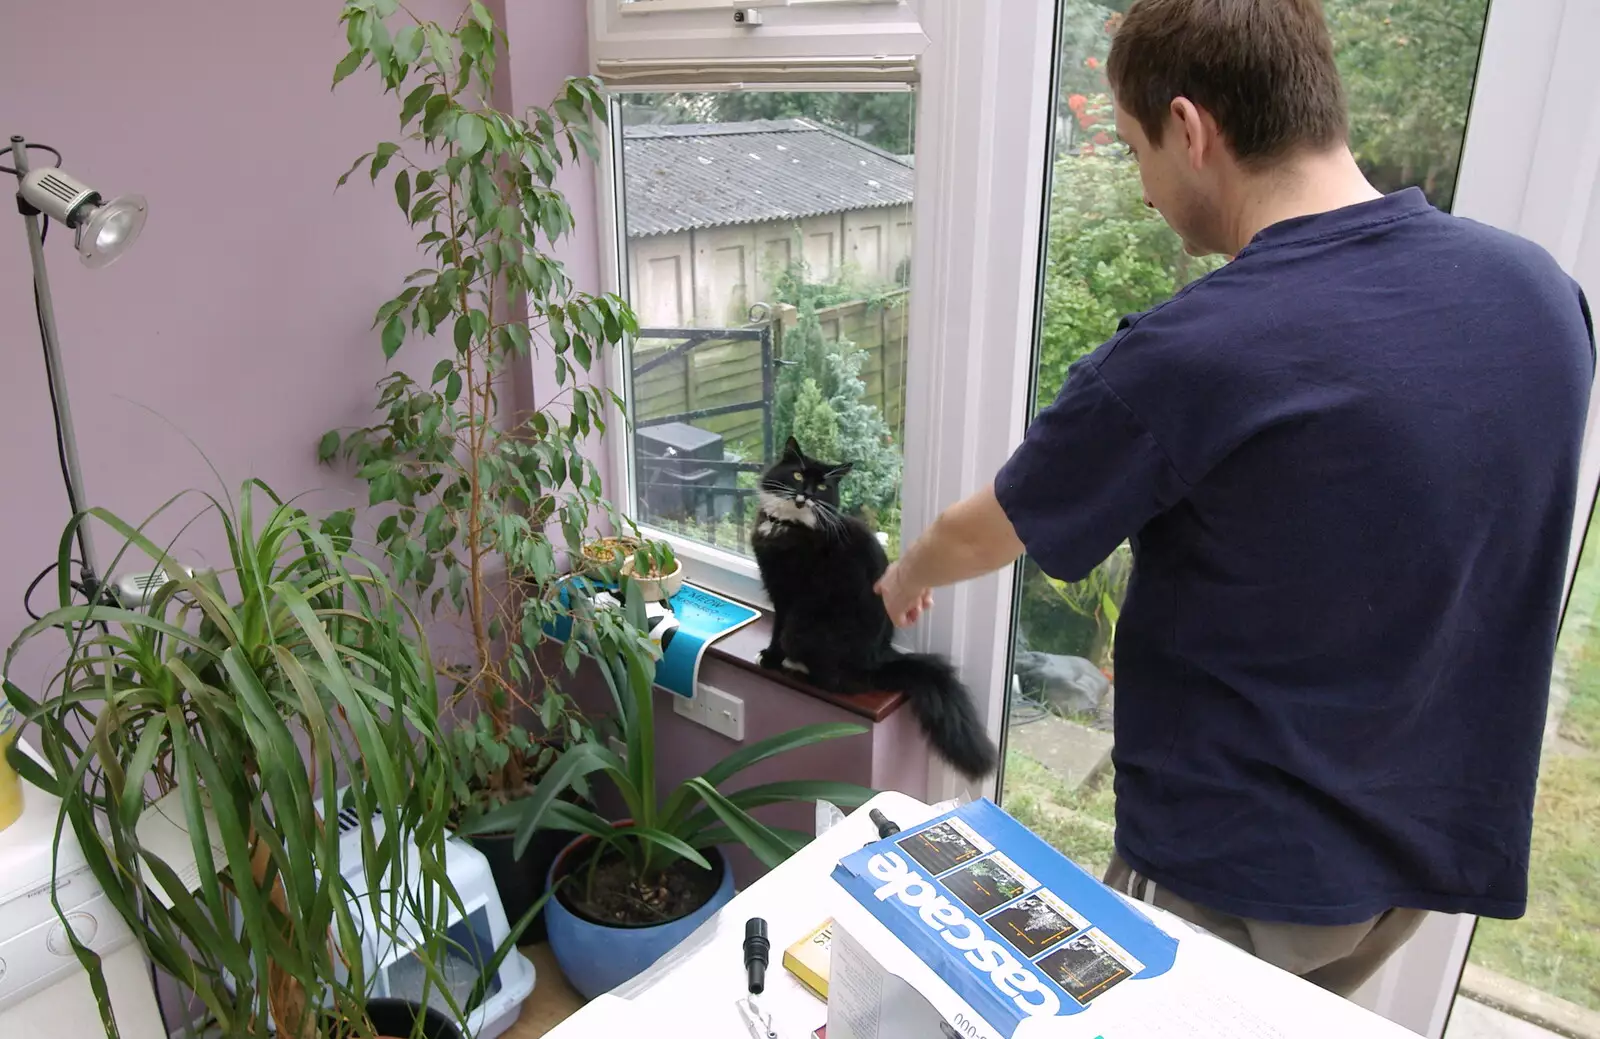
693, 991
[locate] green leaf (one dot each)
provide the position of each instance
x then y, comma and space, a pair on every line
452, 387
394, 333
470, 133
381, 157
463, 334
407, 47
402, 190
363, 157
328, 446
481, 15
414, 103
765, 845
348, 64
440, 370
845, 795
444, 58
739, 760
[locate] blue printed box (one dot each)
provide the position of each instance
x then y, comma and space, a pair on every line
1011, 926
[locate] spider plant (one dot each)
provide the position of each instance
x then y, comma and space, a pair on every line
250, 705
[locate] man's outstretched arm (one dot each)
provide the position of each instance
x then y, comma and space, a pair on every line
969, 539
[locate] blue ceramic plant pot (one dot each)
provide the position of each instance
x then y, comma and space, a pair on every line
596, 957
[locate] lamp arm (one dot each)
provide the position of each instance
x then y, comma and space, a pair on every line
56, 375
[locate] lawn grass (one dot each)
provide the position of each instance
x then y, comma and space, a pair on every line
1077, 824
1556, 946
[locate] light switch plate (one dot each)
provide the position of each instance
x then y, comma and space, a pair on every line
718, 711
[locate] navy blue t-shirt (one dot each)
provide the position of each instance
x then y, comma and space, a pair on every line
1348, 463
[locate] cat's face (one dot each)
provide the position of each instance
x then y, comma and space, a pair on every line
801, 490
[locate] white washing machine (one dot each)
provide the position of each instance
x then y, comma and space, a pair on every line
44, 991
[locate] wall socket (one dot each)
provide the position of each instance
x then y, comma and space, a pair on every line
718, 711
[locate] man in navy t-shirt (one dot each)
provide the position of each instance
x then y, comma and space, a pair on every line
1347, 461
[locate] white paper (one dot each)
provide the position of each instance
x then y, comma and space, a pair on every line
163, 832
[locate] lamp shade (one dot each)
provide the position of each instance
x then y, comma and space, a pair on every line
111, 229
104, 229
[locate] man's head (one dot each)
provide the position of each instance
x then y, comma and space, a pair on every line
1213, 94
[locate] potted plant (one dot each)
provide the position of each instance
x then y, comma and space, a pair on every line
480, 505
625, 891
285, 711
611, 550
656, 569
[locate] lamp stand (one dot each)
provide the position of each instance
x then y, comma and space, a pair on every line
56, 374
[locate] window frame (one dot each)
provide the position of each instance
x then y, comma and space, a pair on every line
954, 299
685, 31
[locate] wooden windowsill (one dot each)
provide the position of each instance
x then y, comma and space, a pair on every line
743, 648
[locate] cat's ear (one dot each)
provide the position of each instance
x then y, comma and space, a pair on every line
792, 452
840, 471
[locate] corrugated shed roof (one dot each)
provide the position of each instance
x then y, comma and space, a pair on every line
717, 174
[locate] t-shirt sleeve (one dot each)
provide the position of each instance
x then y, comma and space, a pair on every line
1087, 475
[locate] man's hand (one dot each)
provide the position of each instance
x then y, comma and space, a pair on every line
905, 604
970, 538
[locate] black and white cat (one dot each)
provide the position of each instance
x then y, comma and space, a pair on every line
819, 567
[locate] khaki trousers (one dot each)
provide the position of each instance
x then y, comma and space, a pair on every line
1337, 958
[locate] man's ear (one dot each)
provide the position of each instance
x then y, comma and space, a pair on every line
1198, 130
792, 452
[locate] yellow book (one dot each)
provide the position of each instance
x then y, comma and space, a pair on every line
807, 959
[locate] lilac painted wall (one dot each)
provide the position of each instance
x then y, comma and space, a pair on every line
241, 316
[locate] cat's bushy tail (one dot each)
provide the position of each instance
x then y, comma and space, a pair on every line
944, 708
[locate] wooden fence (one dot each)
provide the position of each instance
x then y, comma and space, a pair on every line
723, 372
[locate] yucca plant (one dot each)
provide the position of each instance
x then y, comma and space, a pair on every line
253, 703
664, 827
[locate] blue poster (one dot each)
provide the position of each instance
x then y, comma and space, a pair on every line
703, 617
690, 621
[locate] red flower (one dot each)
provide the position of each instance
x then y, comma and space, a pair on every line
1076, 103
1086, 121
1102, 138
1087, 149
1092, 62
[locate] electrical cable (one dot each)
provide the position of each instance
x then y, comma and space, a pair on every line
30, 145
27, 597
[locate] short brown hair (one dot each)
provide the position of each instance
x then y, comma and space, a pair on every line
1264, 69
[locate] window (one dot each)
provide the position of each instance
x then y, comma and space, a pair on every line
765, 242
1409, 69
1555, 948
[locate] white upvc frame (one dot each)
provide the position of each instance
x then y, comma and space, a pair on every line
982, 120
1531, 165
983, 146
683, 31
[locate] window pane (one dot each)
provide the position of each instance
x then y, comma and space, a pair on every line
1408, 67
1555, 948
768, 253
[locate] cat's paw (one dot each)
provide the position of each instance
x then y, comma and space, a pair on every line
771, 659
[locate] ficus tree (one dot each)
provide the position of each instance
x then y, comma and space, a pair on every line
483, 508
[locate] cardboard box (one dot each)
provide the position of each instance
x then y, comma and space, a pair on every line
971, 926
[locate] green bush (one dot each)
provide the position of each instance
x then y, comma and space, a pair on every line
820, 393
